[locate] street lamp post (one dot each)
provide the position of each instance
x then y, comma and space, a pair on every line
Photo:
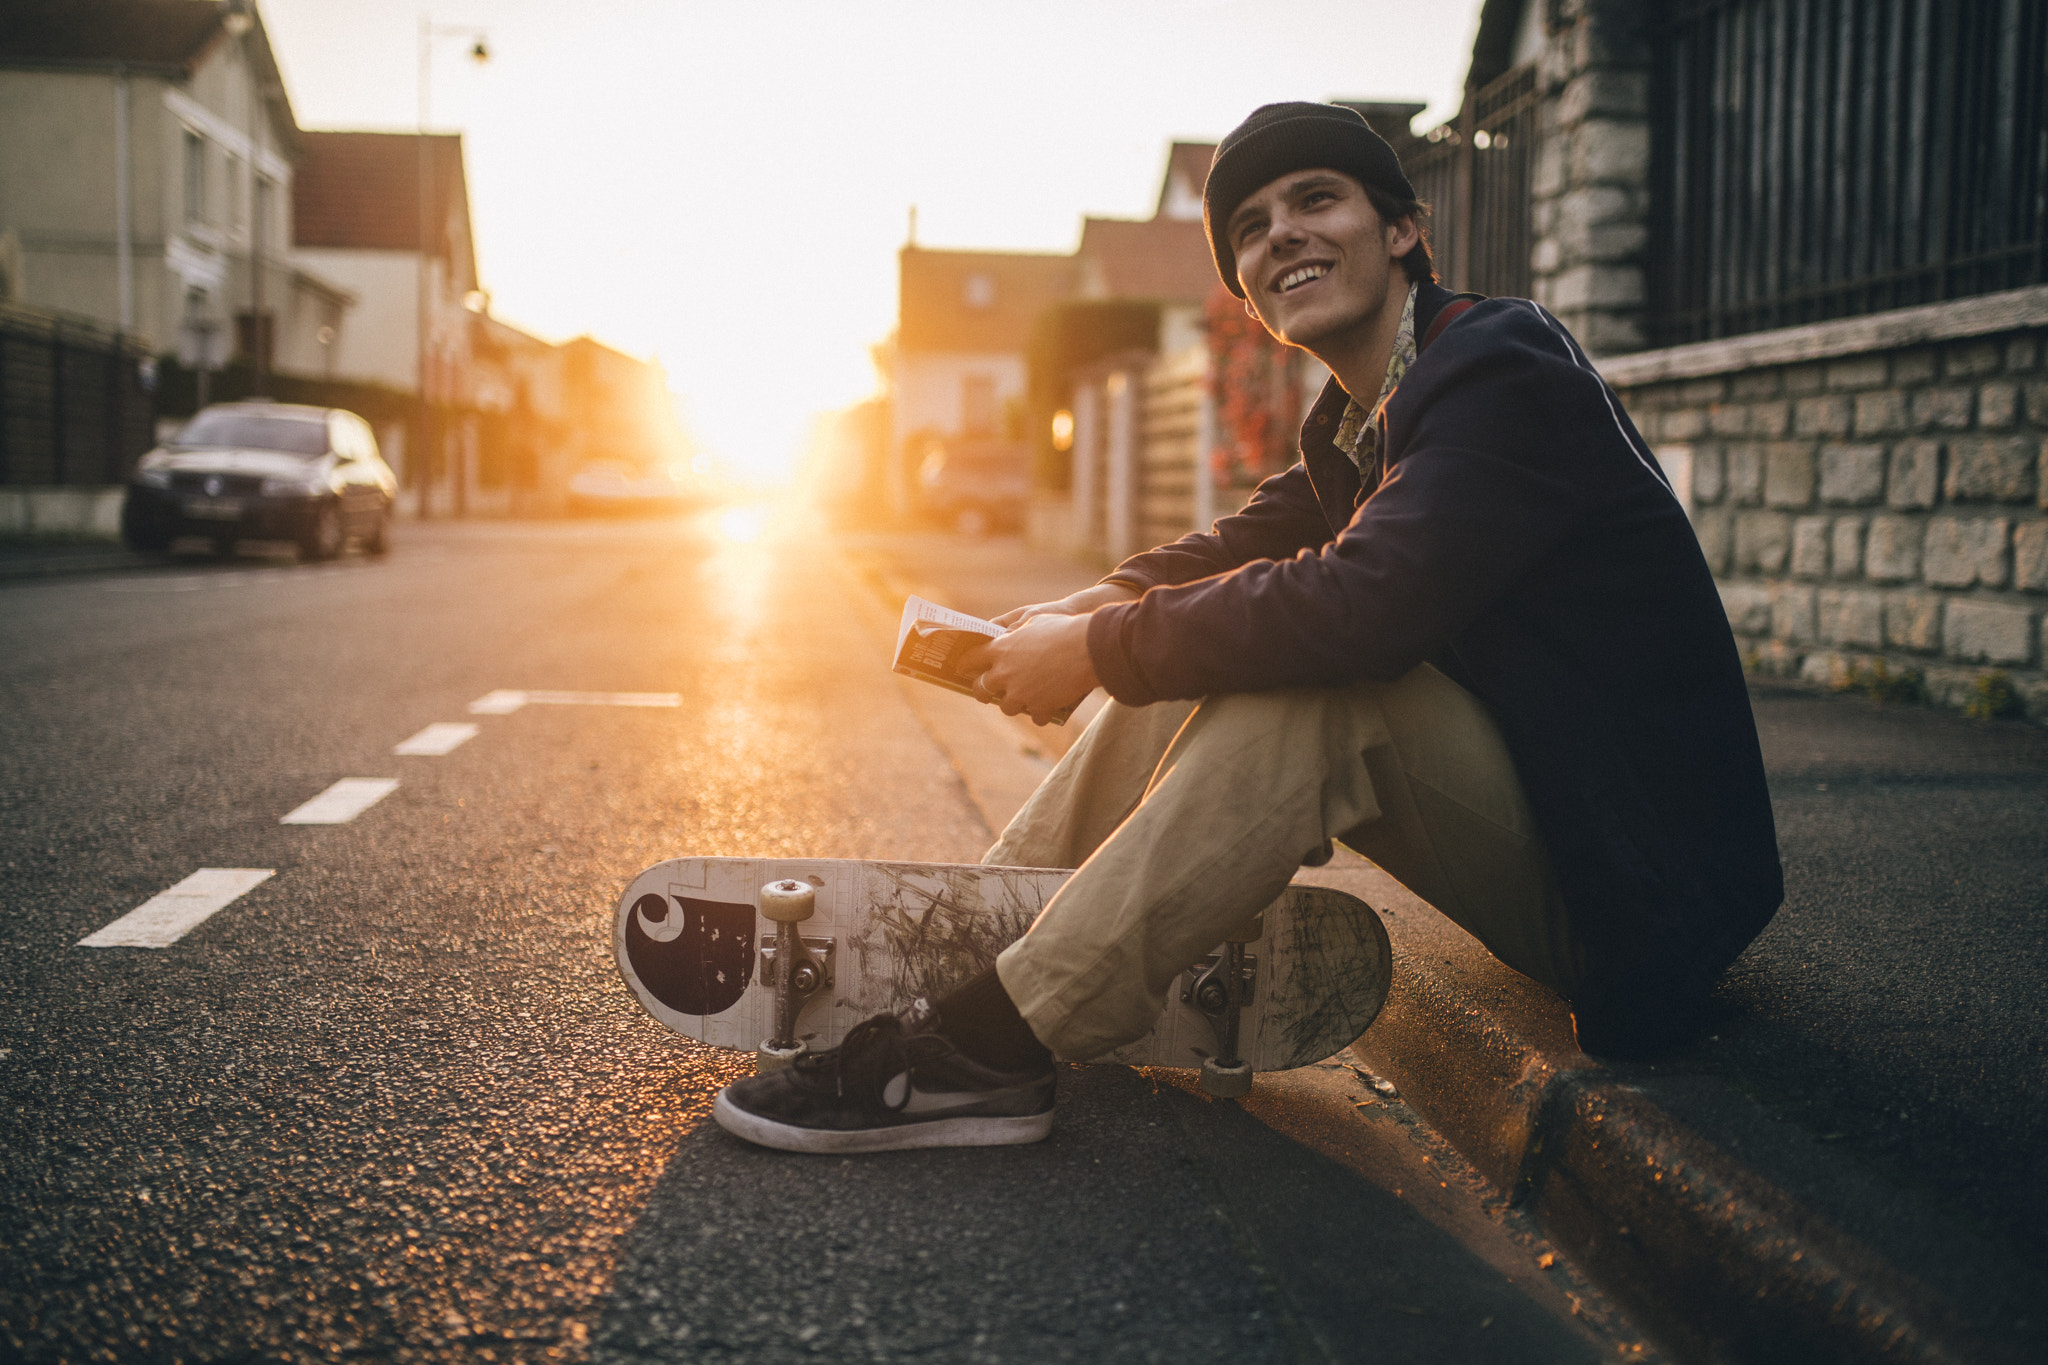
423, 318
238, 18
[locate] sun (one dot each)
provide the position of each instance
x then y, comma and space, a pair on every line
742, 525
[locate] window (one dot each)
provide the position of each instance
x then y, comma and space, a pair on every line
256, 334
198, 334
237, 191
978, 404
195, 177
266, 202
292, 435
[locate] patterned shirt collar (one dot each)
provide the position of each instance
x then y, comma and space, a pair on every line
1358, 430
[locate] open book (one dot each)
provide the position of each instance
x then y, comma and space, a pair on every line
930, 640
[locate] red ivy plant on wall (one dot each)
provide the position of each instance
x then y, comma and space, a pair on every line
1252, 379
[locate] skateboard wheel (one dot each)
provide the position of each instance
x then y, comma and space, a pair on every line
1226, 1082
769, 1057
789, 902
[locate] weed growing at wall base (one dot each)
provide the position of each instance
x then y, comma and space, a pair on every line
1877, 681
1994, 697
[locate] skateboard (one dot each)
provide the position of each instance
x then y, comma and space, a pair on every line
781, 955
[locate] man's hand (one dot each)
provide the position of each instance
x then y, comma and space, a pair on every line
1041, 667
1074, 604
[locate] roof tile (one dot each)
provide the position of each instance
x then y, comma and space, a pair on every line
362, 190
163, 33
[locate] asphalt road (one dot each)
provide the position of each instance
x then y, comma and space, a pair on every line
393, 1103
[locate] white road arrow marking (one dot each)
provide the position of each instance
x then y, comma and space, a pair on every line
343, 801
168, 916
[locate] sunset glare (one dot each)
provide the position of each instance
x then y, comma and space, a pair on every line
724, 187
742, 525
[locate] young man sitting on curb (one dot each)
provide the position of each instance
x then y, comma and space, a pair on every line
1470, 635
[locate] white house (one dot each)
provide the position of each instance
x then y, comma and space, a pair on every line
358, 218
146, 179
959, 366
362, 205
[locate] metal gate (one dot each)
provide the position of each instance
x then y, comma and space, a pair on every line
1817, 159
1474, 173
75, 409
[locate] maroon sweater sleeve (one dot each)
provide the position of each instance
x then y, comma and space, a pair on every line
1501, 443
1282, 516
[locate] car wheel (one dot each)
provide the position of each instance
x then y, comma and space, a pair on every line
323, 538
378, 542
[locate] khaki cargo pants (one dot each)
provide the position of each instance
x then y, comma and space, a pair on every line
1184, 819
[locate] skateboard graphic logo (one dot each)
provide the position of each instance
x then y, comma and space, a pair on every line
696, 957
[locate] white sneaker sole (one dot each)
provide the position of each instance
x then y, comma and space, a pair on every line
980, 1131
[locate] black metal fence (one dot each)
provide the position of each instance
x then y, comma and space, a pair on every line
1474, 172
75, 406
1822, 158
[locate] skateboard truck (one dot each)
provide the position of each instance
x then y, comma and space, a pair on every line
1221, 992
796, 968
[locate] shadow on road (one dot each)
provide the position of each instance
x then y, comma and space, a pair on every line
1153, 1225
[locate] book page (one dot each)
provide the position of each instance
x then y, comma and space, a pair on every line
931, 639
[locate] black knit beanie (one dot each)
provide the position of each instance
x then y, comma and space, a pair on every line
1296, 136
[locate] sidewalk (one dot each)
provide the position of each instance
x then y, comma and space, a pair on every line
35, 557
1847, 1168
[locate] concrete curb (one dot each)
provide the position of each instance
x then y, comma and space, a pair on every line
1713, 1258
1718, 1262
18, 561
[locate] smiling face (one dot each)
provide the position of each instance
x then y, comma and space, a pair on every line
1318, 263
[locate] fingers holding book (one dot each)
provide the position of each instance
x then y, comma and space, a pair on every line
1073, 604
1040, 668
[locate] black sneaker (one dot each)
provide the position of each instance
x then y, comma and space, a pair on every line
893, 1083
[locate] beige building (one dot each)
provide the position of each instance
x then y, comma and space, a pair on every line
362, 204
146, 180
358, 218
958, 366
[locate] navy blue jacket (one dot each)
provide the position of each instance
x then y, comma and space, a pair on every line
1524, 541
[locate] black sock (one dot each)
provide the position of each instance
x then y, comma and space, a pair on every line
983, 1022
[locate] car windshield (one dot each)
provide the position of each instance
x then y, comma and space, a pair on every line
256, 431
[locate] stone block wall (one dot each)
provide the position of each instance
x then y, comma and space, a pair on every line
1589, 192
1872, 495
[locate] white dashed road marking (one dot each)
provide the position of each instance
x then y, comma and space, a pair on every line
168, 916
442, 737
343, 801
504, 701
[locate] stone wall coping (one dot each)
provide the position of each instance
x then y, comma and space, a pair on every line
1980, 316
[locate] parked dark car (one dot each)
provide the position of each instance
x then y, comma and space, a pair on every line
975, 485
264, 471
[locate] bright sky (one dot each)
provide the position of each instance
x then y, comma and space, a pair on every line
723, 186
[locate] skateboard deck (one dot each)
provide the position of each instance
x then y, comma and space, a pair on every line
694, 947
